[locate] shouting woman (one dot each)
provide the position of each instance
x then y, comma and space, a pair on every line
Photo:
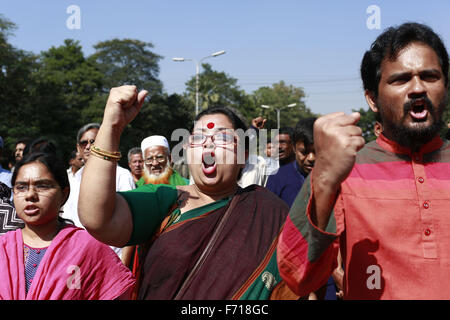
208, 240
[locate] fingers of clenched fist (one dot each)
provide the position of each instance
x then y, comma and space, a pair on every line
337, 139
123, 105
126, 96
338, 130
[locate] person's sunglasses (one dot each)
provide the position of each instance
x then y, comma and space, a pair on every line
84, 143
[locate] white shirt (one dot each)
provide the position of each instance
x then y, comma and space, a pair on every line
257, 170
70, 174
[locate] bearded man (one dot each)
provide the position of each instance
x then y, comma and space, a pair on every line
157, 163
385, 204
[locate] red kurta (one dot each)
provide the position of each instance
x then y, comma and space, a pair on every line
391, 220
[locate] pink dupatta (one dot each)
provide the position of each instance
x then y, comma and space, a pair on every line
75, 267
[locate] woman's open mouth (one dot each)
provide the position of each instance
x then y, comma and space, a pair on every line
209, 165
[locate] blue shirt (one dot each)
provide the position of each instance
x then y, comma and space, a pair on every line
287, 182
5, 176
32, 258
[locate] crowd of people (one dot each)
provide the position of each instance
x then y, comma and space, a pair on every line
319, 214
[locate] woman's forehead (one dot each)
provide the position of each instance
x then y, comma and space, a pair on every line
34, 170
213, 122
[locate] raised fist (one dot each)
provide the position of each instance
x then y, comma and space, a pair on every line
337, 139
122, 106
258, 122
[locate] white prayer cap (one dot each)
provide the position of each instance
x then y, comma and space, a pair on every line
154, 141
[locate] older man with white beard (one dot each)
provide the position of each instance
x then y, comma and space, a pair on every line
157, 160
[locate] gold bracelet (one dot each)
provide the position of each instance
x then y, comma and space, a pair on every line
107, 155
105, 152
112, 154
104, 157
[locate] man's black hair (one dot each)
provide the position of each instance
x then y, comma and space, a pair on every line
391, 42
24, 140
41, 144
73, 154
287, 130
304, 131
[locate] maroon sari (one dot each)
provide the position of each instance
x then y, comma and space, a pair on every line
246, 242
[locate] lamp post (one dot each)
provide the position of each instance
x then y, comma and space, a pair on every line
197, 70
278, 110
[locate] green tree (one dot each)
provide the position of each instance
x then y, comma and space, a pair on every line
128, 61
65, 84
366, 123
280, 95
16, 83
217, 89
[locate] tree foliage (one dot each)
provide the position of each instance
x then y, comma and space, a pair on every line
366, 123
219, 88
279, 96
215, 88
16, 85
65, 84
54, 93
128, 61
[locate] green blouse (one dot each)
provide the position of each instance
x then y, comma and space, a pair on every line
150, 204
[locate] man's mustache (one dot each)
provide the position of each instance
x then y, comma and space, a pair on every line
409, 105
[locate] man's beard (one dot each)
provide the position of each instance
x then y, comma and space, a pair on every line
162, 178
415, 138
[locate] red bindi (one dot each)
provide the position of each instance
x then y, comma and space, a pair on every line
210, 125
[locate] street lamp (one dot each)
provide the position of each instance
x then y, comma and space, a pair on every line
197, 69
278, 111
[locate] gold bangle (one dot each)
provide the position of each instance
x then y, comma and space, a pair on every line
113, 154
112, 159
106, 156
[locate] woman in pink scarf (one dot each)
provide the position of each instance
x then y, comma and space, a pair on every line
49, 258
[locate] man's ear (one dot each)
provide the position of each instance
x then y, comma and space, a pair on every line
371, 100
